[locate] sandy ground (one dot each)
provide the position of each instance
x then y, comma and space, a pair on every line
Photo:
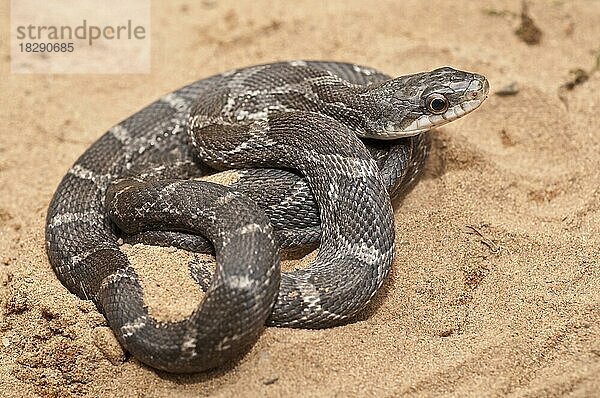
495, 289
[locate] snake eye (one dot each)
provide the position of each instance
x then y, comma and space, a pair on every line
436, 103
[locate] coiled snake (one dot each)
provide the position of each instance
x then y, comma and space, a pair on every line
291, 128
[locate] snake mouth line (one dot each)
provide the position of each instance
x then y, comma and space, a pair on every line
428, 122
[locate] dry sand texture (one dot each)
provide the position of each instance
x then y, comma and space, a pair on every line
495, 289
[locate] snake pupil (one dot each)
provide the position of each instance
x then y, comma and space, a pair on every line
437, 104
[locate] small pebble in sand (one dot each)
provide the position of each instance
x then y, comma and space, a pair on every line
510, 89
528, 31
270, 380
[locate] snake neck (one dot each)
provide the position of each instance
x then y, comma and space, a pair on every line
357, 106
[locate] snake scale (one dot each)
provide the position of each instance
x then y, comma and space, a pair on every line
315, 150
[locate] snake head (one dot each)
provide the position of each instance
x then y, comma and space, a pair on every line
412, 104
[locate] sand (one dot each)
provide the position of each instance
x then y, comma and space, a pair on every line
495, 288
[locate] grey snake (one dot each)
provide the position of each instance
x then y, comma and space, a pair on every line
315, 152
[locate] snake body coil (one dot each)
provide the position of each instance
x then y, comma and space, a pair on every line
292, 129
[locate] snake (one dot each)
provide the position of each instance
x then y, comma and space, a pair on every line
314, 153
